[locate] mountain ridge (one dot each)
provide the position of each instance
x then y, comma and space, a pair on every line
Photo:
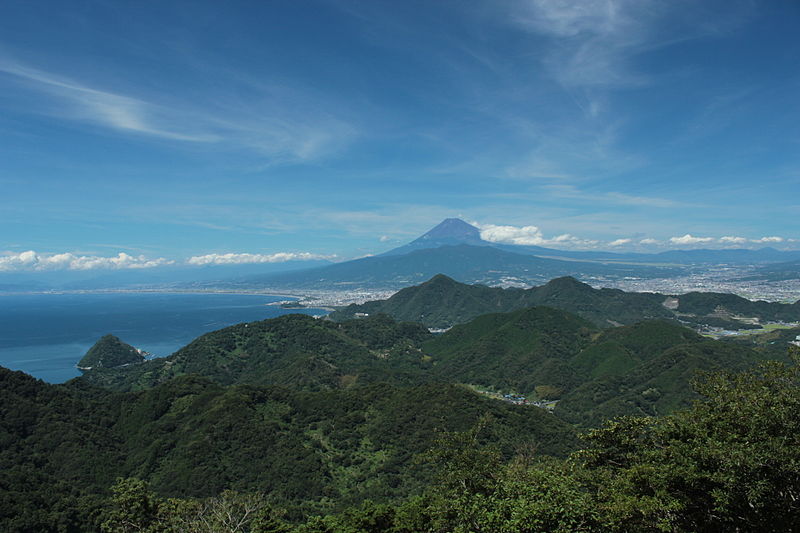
475, 264
456, 231
442, 302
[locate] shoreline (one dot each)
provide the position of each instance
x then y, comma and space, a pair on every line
152, 291
323, 300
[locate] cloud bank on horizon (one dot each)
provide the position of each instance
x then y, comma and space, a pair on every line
31, 261
342, 127
246, 258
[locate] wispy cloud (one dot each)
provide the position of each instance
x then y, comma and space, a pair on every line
277, 122
100, 107
562, 190
247, 258
628, 199
594, 38
33, 261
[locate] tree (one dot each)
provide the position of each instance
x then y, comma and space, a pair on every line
730, 463
233, 512
135, 509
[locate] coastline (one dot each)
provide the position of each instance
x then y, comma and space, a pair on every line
314, 299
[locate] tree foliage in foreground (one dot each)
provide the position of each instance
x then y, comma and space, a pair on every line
729, 463
134, 508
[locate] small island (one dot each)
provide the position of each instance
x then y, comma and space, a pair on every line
110, 352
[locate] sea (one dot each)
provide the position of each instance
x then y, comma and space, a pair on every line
45, 335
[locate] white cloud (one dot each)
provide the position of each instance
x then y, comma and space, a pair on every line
385, 238
245, 258
689, 239
619, 242
649, 241
732, 240
768, 239
32, 261
526, 236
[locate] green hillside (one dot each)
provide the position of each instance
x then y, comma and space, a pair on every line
618, 350
709, 303
660, 384
63, 446
642, 369
540, 351
727, 463
439, 302
730, 462
517, 350
293, 350
442, 302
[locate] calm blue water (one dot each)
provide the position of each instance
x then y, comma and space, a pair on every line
45, 335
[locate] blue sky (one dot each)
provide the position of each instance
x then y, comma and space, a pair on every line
164, 131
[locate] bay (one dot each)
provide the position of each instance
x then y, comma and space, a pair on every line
45, 335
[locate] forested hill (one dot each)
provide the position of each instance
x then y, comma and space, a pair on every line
110, 352
64, 445
442, 302
294, 350
540, 352
721, 304
644, 369
316, 416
